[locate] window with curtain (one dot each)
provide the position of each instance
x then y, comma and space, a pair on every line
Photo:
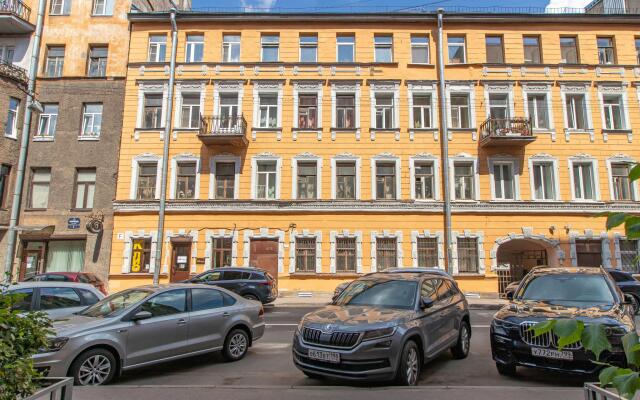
543, 181
584, 181
538, 111
65, 255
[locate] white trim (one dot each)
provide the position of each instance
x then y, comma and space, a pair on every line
183, 88
423, 88
499, 88
254, 170
617, 253
527, 233
515, 171
556, 173
345, 157
454, 249
576, 88
317, 235
427, 234
167, 249
128, 243
152, 87
615, 90
462, 158
385, 234
386, 157
212, 173
294, 173
345, 87
543, 88
465, 88
220, 233
227, 87
267, 87
589, 235
621, 159
385, 87
307, 87
135, 165
584, 158
175, 160
264, 233
435, 162
357, 235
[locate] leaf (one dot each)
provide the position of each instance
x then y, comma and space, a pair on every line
615, 219
594, 338
627, 384
628, 343
608, 374
632, 227
569, 331
634, 174
543, 327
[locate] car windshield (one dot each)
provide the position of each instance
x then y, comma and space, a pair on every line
113, 305
379, 293
571, 290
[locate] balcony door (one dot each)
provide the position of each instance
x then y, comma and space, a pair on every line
228, 112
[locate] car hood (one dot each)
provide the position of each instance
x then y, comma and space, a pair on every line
74, 325
357, 317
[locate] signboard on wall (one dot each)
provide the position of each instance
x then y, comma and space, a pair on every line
73, 223
136, 259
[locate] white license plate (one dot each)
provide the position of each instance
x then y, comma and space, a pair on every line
327, 356
555, 354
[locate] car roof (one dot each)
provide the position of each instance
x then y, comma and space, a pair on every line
169, 286
39, 284
542, 270
405, 276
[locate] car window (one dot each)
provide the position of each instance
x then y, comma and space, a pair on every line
570, 290
116, 303
89, 297
58, 297
208, 277
228, 300
444, 291
245, 275
53, 278
256, 276
231, 275
167, 303
84, 279
620, 277
379, 293
206, 299
430, 289
23, 303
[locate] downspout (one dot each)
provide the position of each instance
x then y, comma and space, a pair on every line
165, 151
24, 143
444, 139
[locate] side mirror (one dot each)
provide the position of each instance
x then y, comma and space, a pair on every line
509, 295
140, 315
628, 299
426, 302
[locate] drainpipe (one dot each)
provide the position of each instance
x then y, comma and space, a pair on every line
24, 142
165, 151
444, 139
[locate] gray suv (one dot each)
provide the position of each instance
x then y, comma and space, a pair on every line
384, 326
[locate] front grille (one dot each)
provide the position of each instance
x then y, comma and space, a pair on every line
346, 366
335, 339
548, 339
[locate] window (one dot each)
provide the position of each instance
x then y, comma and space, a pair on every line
346, 48
503, 181
228, 110
613, 112
11, 126
421, 110
52, 298
384, 109
270, 48
427, 249
499, 108
544, 186
346, 180
7, 54
190, 111
637, 50
583, 181
308, 111
345, 111
65, 255
307, 180
54, 61
346, 254
464, 178
146, 183
386, 253
5, 175
606, 51
39, 193
89, 297
538, 110
60, 7
152, 110
386, 180
167, 303
589, 253
308, 48
622, 189
186, 180
157, 47
460, 110
195, 48
221, 252
305, 254
532, 51
230, 48
495, 49
629, 253
85, 188
569, 50
383, 48
24, 302
456, 49
225, 180
141, 255
206, 299
576, 109
424, 180
103, 7
91, 120
268, 108
266, 180
468, 255
420, 49
97, 65
48, 121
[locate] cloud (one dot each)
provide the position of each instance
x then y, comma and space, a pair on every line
258, 5
568, 5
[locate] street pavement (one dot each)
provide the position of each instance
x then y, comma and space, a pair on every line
267, 372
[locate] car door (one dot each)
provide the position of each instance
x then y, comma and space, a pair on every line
448, 311
59, 302
208, 318
231, 280
25, 301
430, 323
164, 335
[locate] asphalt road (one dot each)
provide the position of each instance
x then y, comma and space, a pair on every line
269, 371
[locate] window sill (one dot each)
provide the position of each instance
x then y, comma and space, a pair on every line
310, 130
423, 129
461, 129
571, 130
392, 130
34, 209
13, 137
468, 275
622, 131
425, 200
385, 64
345, 129
543, 130
177, 129
88, 138
421, 65
276, 129
81, 209
43, 138
159, 129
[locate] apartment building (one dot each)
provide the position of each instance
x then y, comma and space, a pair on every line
311, 145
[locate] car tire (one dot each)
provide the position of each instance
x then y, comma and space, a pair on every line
251, 297
506, 369
93, 368
408, 372
461, 349
236, 345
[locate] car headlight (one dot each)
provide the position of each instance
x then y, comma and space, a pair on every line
615, 331
56, 344
300, 326
378, 333
502, 327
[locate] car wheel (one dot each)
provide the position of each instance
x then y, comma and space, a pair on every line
251, 297
506, 369
461, 349
94, 367
410, 365
236, 345
635, 304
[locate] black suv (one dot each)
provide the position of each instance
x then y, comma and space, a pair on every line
587, 294
250, 283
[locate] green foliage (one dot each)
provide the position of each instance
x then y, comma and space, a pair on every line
594, 338
21, 336
568, 331
630, 345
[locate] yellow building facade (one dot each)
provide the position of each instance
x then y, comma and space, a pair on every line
311, 146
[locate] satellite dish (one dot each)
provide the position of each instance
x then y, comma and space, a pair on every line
94, 226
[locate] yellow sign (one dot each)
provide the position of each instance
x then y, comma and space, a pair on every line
136, 260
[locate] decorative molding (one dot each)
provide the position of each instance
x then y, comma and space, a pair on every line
333, 235
427, 234
220, 233
264, 233
317, 235
375, 235
527, 234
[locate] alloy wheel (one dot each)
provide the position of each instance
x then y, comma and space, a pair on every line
464, 339
94, 370
412, 366
237, 345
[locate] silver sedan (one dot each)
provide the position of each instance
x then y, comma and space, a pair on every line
148, 325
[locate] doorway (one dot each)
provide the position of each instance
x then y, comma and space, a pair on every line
32, 262
263, 253
180, 265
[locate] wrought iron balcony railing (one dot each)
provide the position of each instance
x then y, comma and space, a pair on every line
8, 70
503, 131
223, 130
15, 7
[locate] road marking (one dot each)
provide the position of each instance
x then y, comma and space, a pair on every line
473, 326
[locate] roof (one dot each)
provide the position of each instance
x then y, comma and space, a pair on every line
567, 270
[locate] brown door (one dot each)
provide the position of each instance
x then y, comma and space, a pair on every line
264, 254
180, 256
32, 262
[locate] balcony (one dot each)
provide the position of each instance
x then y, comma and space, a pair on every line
506, 132
14, 17
223, 131
8, 70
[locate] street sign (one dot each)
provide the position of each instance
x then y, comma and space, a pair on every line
73, 223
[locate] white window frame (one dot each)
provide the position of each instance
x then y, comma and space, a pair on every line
182, 88
605, 90
254, 173
190, 48
426, 89
151, 88
580, 159
425, 234
307, 45
227, 87
210, 235
5, 50
375, 235
14, 127
230, 45
605, 251
352, 44
346, 87
91, 135
129, 236
469, 90
383, 46
304, 234
540, 88
44, 137
224, 158
504, 89
135, 165
426, 46
269, 44
306, 157
481, 254
515, 171
157, 45
302, 88
107, 7
425, 158
544, 158
357, 235
633, 186
385, 88
464, 49
62, 7
345, 157
581, 89
386, 158
464, 158
267, 87
184, 158
618, 253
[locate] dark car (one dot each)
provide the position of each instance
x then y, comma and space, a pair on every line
250, 283
81, 277
384, 326
587, 294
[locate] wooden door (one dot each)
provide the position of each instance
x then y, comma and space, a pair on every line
32, 263
263, 254
180, 255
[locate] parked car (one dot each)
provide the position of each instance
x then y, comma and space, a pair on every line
250, 283
384, 326
587, 294
56, 299
81, 277
148, 325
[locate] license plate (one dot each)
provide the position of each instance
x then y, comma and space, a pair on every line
327, 356
549, 353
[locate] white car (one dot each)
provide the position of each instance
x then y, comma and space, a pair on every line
57, 299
